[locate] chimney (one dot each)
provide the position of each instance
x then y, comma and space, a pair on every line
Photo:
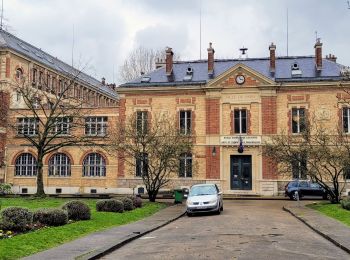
211, 52
318, 54
272, 49
169, 61
331, 57
103, 81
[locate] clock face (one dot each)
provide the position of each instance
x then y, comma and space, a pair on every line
240, 79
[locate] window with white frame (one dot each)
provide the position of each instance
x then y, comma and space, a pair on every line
141, 122
240, 121
142, 165
185, 122
185, 165
299, 167
61, 126
26, 165
94, 165
298, 120
59, 165
96, 126
346, 120
27, 126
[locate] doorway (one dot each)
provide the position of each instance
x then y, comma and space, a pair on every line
241, 172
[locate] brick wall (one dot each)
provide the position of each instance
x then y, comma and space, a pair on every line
269, 115
212, 163
269, 168
212, 106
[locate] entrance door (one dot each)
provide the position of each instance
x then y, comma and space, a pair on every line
241, 172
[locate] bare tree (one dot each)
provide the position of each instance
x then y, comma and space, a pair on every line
52, 117
141, 61
320, 154
153, 150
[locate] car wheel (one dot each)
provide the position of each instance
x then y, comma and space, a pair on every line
189, 214
329, 197
222, 207
295, 195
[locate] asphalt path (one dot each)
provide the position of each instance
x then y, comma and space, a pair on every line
244, 230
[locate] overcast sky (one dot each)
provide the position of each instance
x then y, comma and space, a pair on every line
105, 31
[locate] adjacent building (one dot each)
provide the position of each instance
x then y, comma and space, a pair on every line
70, 170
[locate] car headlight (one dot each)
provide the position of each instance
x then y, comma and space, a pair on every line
189, 202
213, 201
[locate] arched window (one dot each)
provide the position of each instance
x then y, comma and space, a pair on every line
59, 165
94, 165
26, 165
19, 73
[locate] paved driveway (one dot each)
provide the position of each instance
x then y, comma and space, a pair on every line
244, 230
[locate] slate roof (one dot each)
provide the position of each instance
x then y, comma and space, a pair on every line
10, 41
330, 71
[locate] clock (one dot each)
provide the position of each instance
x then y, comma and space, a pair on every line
240, 79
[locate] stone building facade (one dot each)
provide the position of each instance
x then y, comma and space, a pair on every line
231, 107
235, 106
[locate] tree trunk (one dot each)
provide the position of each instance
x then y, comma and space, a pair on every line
152, 195
39, 179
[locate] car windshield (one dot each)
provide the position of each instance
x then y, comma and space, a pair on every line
202, 190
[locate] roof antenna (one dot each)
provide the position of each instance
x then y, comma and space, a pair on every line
287, 33
2, 13
200, 29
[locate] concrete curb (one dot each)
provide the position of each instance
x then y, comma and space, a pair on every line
107, 249
337, 243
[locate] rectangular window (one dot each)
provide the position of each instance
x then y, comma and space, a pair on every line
298, 120
96, 126
27, 126
142, 165
185, 165
141, 122
299, 167
240, 121
346, 120
346, 172
35, 73
61, 126
186, 122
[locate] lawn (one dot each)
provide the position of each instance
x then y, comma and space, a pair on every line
333, 210
33, 242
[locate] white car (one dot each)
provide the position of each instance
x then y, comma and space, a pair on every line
204, 198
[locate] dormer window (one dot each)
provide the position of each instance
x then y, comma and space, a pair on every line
296, 71
145, 79
189, 74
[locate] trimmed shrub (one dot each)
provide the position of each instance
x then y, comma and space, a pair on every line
5, 188
16, 218
77, 210
128, 204
110, 205
51, 217
345, 204
136, 201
